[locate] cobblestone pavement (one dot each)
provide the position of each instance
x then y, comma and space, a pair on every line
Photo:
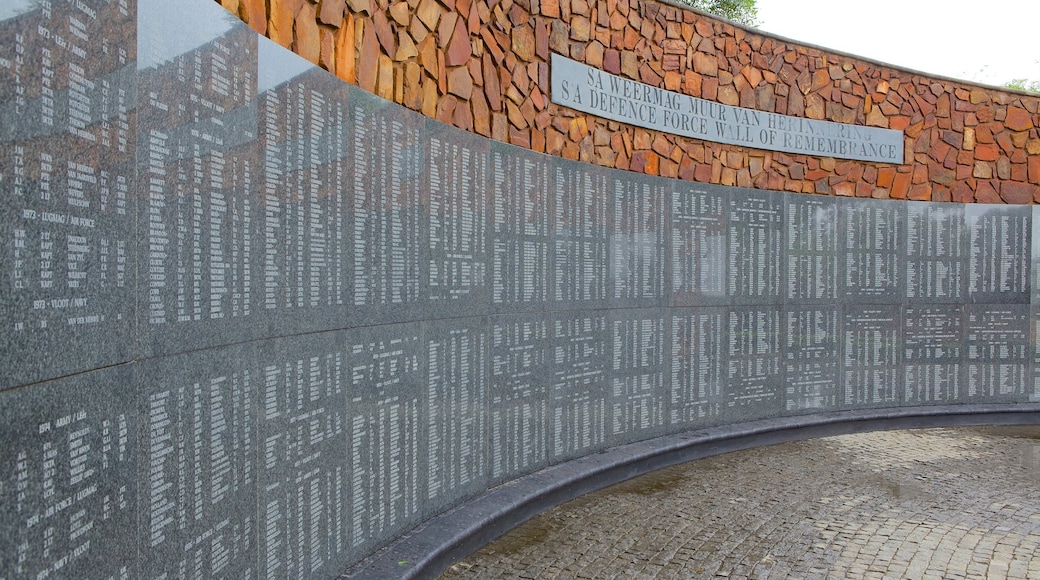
934, 503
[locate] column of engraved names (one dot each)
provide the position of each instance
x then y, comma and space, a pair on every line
638, 260
199, 504
871, 357
520, 228
933, 339
936, 243
812, 249
580, 382
999, 241
755, 224
68, 483
581, 233
699, 370
873, 245
303, 137
303, 476
388, 163
385, 433
519, 396
699, 236
998, 351
455, 403
638, 397
199, 114
458, 177
811, 339
66, 170
753, 385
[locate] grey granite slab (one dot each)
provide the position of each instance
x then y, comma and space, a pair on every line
699, 366
999, 253
934, 353
812, 338
68, 126
813, 249
581, 227
699, 245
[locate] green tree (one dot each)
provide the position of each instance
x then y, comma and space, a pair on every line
1023, 85
743, 11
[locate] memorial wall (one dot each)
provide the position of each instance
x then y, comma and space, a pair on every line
259, 322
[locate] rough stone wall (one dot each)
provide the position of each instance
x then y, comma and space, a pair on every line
482, 65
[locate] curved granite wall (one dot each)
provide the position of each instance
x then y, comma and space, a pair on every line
484, 66
260, 322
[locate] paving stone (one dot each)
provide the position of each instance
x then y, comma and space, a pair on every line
937, 503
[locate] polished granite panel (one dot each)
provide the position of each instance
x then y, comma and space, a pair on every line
640, 368
639, 251
1000, 239
812, 339
699, 245
699, 366
69, 489
581, 226
198, 463
521, 184
386, 220
998, 352
386, 434
455, 409
754, 387
519, 425
198, 182
68, 126
756, 246
457, 208
937, 239
301, 444
872, 344
579, 374
873, 242
813, 244
934, 353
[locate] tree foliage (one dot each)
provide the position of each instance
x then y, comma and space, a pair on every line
743, 11
1023, 85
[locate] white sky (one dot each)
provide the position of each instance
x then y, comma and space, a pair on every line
991, 42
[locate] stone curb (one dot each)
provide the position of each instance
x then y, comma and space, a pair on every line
432, 547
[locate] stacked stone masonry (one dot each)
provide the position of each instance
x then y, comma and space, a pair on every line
483, 66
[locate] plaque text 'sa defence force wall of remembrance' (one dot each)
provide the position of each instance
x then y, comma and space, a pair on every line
258, 321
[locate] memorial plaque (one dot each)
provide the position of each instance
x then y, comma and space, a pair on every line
301, 219
937, 253
699, 245
998, 352
699, 367
933, 339
521, 183
302, 440
812, 363
457, 209
638, 253
519, 426
455, 407
388, 152
68, 489
812, 249
756, 243
999, 241
198, 467
581, 228
753, 386
874, 244
68, 126
871, 355
639, 397
198, 177
386, 436
580, 360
